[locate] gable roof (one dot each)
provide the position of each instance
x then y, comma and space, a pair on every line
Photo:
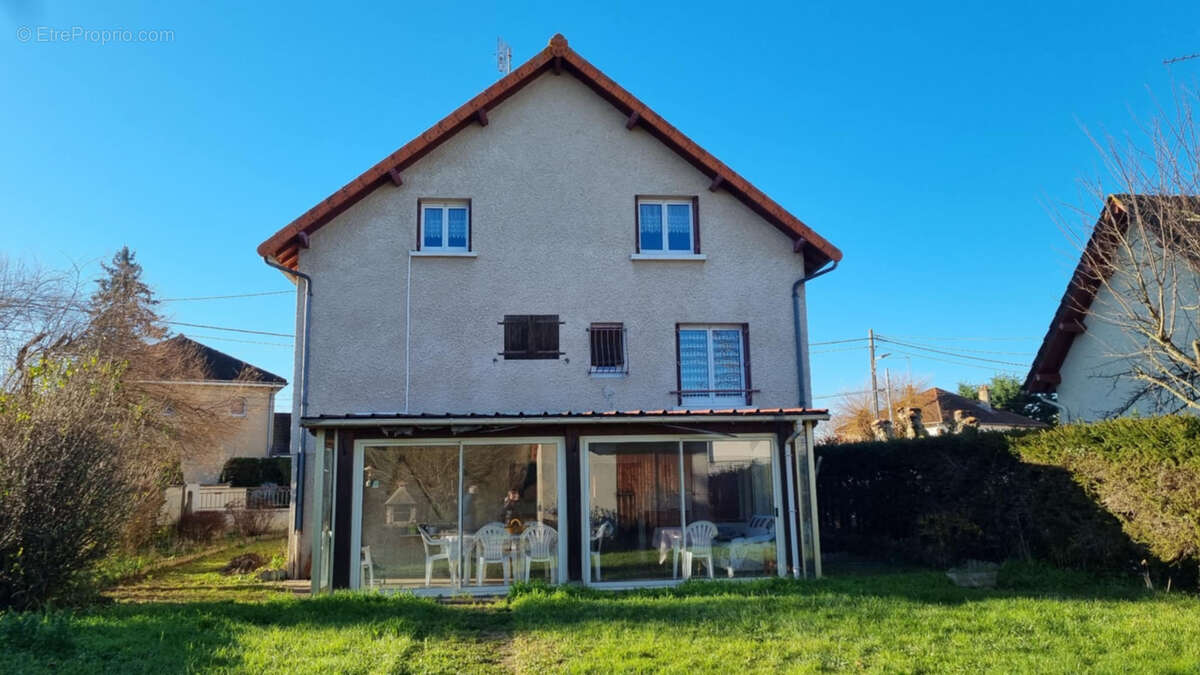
219, 366
1093, 268
938, 406
557, 57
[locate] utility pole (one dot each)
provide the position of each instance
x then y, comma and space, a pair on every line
874, 380
887, 381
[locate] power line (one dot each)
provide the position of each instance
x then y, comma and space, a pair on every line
975, 351
954, 354
839, 349
232, 330
227, 297
956, 363
836, 342
964, 339
247, 342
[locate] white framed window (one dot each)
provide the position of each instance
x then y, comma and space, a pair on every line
667, 226
445, 225
237, 407
714, 365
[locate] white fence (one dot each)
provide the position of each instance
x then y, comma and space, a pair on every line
220, 497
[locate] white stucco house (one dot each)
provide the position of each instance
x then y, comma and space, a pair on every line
1090, 355
551, 333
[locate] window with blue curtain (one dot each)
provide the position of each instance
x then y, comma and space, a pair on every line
665, 226
712, 365
650, 226
445, 226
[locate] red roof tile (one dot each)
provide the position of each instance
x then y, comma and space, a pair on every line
284, 245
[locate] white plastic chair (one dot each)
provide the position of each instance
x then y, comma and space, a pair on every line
539, 543
697, 545
368, 567
491, 544
598, 534
437, 549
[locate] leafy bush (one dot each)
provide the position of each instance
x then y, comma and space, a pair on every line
1146, 472
1100, 496
202, 526
946, 499
256, 471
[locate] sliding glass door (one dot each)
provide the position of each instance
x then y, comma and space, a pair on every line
670, 509
453, 516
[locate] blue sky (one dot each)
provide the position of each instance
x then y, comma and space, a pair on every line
930, 143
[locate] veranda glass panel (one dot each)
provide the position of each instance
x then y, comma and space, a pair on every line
509, 488
324, 563
730, 508
409, 516
633, 493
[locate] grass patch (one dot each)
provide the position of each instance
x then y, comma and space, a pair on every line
912, 621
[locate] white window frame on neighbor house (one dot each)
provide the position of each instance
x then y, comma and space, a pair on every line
585, 482
666, 251
712, 399
356, 512
445, 206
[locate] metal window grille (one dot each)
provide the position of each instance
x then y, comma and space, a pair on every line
608, 348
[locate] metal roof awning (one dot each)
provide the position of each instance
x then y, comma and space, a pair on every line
568, 417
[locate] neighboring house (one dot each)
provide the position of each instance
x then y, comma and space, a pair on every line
943, 411
551, 310
1089, 352
244, 394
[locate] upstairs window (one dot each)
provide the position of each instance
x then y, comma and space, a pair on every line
445, 226
714, 366
531, 336
237, 407
667, 226
608, 349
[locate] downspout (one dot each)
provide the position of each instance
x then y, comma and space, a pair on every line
800, 380
802, 391
1064, 415
298, 496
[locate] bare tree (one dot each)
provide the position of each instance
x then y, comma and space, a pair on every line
853, 417
40, 311
1141, 265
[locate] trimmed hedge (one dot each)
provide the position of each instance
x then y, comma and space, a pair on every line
1103, 496
256, 471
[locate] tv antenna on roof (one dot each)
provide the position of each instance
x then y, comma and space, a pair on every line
503, 56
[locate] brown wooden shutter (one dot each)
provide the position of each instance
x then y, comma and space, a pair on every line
696, 225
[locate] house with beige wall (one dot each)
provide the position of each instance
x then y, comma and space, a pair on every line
551, 332
242, 395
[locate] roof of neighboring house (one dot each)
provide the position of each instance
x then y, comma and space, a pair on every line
569, 416
938, 406
557, 57
1085, 281
221, 366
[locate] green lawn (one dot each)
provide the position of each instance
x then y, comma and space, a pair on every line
911, 621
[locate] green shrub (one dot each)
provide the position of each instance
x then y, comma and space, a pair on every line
942, 500
1102, 496
1146, 472
256, 471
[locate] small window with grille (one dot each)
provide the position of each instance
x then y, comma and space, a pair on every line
608, 349
531, 336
